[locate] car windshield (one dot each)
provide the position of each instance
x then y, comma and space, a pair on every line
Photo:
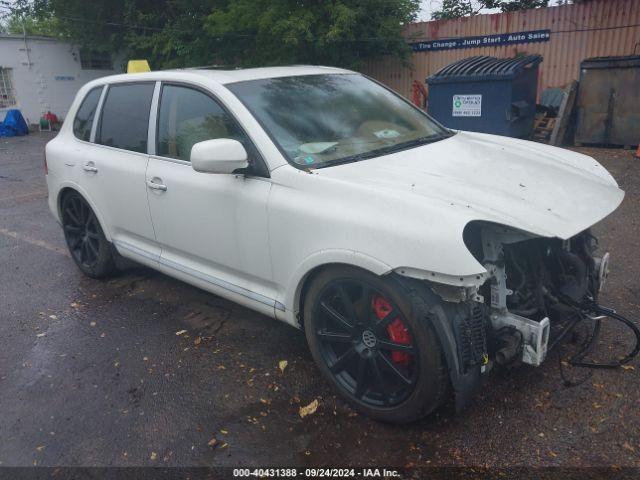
324, 120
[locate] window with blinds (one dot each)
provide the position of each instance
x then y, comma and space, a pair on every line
7, 94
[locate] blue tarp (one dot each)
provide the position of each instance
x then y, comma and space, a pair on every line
13, 125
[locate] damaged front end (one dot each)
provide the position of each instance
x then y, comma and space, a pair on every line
528, 297
533, 285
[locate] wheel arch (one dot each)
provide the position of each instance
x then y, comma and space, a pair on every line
67, 188
465, 381
318, 262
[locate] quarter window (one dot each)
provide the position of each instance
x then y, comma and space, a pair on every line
187, 117
125, 117
84, 116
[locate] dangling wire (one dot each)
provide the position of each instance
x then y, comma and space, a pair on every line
579, 318
590, 310
604, 312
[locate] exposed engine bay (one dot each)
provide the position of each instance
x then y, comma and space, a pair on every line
538, 289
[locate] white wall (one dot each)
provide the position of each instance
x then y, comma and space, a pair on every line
50, 81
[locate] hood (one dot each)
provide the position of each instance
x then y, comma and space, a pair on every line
543, 190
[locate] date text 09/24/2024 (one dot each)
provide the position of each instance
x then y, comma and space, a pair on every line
316, 472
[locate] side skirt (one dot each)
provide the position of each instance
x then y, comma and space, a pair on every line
196, 277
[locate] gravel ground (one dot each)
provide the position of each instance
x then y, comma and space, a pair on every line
93, 372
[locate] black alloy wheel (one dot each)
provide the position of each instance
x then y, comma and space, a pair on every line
356, 333
377, 356
85, 239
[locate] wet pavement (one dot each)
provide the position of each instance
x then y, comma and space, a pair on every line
95, 372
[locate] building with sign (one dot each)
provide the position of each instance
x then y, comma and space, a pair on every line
41, 74
563, 35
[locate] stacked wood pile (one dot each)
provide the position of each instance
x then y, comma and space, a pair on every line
550, 122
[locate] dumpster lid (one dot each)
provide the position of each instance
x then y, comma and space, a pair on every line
631, 61
484, 68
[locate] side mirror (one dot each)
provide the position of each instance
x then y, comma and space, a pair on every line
222, 155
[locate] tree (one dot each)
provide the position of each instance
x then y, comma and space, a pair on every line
512, 6
19, 24
455, 9
328, 32
465, 8
176, 33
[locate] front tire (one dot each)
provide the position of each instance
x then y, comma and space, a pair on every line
88, 246
372, 341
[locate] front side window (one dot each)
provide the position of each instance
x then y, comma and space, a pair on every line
125, 117
188, 116
84, 116
324, 120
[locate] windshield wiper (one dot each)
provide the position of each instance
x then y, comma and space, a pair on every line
385, 150
349, 159
410, 144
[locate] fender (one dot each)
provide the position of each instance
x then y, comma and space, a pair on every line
293, 289
69, 184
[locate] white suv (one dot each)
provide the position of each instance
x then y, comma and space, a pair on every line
413, 256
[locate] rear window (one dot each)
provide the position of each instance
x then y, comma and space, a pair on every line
84, 117
125, 117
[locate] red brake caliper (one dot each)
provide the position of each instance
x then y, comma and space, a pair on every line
396, 330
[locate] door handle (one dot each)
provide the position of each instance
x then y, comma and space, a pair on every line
90, 167
156, 186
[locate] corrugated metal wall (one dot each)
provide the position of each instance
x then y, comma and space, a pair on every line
589, 29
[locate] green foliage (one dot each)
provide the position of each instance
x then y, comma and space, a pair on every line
465, 8
289, 31
17, 24
454, 9
512, 6
176, 33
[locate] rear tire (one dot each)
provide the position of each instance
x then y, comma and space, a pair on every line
372, 340
91, 251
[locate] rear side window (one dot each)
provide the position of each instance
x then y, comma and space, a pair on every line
84, 116
125, 117
187, 117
